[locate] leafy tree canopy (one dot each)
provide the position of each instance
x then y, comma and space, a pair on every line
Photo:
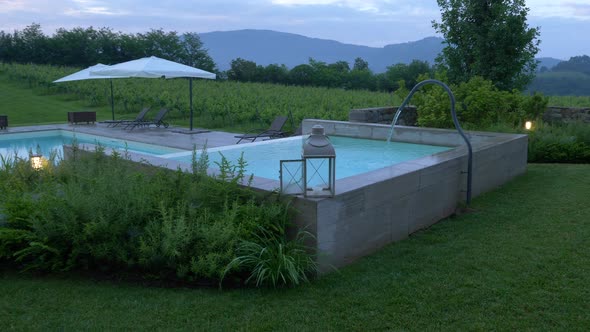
242, 70
579, 64
488, 38
83, 47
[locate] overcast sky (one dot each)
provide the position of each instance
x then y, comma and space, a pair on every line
564, 24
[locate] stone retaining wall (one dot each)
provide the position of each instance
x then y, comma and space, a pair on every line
566, 114
409, 116
384, 115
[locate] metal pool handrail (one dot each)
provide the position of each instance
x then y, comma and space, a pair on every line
455, 121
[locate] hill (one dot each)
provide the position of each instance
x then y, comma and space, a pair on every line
267, 47
566, 78
547, 63
561, 83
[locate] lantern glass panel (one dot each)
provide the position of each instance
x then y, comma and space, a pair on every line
292, 181
318, 173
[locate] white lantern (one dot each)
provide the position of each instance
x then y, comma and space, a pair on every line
319, 165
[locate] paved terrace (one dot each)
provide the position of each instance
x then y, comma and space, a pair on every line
175, 137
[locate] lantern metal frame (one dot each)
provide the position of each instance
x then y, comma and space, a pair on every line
291, 181
328, 188
317, 147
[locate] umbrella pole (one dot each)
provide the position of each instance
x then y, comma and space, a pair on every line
112, 101
190, 84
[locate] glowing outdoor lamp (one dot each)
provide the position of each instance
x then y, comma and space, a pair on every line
36, 161
528, 125
36, 158
319, 164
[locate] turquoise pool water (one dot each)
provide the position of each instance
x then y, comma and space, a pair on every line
53, 140
353, 155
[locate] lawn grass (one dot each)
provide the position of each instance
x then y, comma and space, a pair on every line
25, 107
520, 261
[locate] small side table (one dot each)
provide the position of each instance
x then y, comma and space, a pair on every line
3, 121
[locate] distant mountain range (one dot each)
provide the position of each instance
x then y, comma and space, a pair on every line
547, 63
271, 47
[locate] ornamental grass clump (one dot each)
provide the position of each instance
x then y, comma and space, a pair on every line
273, 260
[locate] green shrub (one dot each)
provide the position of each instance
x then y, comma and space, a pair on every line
97, 212
479, 104
14, 240
553, 143
559, 143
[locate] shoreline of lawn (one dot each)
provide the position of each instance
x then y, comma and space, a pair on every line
520, 261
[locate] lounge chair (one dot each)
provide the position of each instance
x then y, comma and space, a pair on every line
274, 131
140, 117
157, 121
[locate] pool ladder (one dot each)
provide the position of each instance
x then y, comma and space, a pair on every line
455, 121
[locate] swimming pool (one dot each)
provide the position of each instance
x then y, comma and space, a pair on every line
53, 140
353, 155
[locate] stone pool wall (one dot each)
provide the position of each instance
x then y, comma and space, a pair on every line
374, 209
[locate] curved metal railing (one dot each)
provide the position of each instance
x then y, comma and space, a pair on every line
455, 121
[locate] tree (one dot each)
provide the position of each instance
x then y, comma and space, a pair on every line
340, 66
360, 64
242, 70
580, 64
107, 46
26, 46
361, 79
274, 73
131, 48
407, 73
488, 38
301, 75
195, 55
74, 47
6, 47
162, 44
34, 44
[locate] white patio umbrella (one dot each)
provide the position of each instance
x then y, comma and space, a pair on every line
154, 67
84, 74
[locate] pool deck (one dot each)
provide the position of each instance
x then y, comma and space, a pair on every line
176, 137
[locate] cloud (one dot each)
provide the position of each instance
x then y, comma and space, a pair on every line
365, 6
92, 7
32, 6
7, 6
376, 7
573, 9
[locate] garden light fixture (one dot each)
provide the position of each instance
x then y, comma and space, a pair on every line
319, 164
